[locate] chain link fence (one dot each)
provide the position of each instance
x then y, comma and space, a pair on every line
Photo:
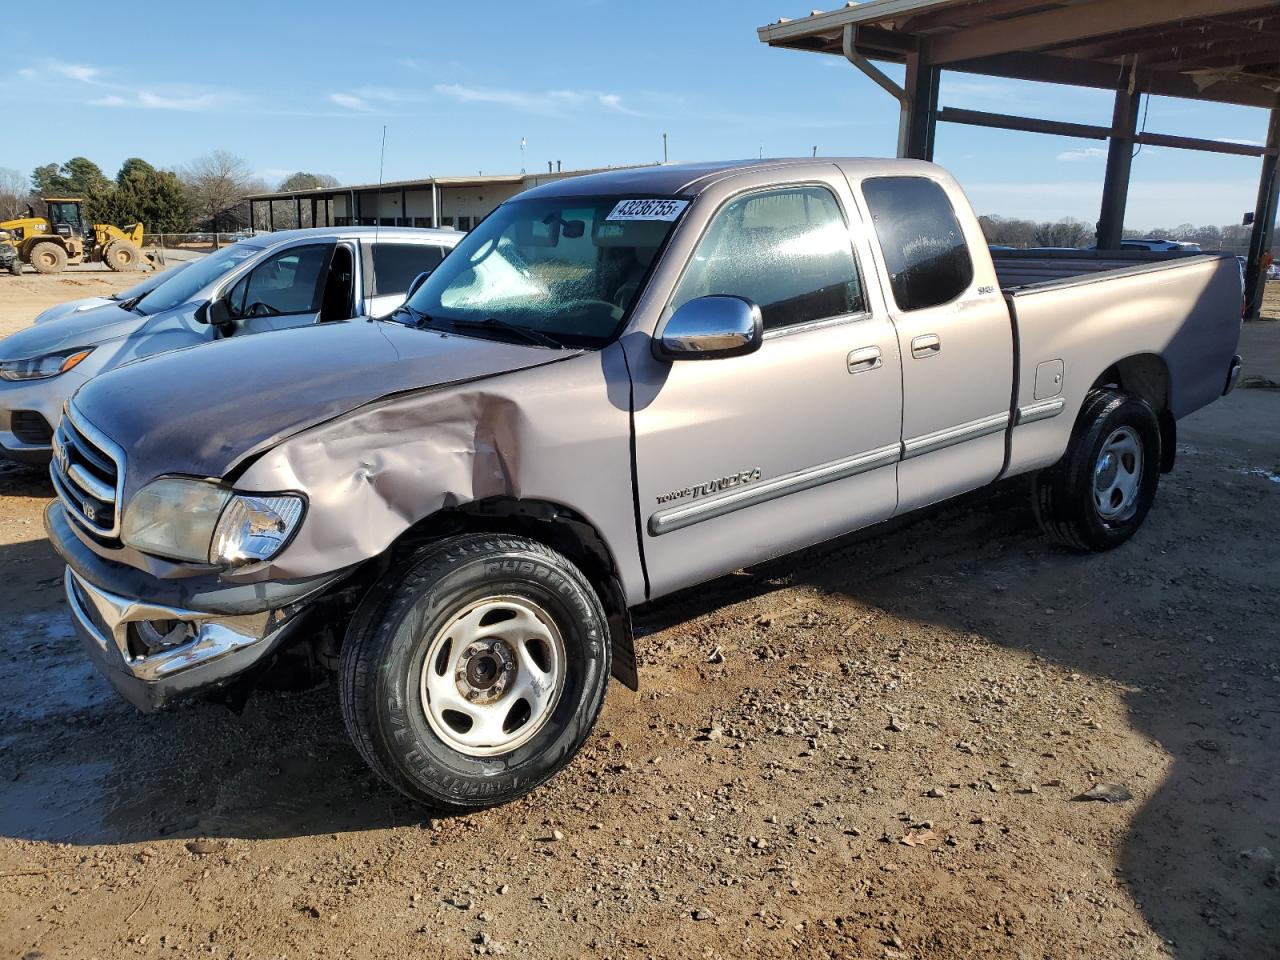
181, 246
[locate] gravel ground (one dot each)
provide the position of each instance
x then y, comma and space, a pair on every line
872, 749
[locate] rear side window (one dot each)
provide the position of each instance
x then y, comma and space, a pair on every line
396, 264
788, 251
920, 237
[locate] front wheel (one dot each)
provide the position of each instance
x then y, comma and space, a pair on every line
477, 672
1098, 494
122, 256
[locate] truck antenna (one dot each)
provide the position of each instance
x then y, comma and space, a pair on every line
377, 222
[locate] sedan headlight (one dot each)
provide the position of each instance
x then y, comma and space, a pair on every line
41, 368
202, 522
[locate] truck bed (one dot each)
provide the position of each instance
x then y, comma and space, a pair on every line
1177, 316
1016, 269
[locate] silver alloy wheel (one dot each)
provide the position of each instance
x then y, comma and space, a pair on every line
1117, 475
493, 675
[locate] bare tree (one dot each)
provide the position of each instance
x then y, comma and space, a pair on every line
284, 212
217, 185
15, 193
1067, 232
1009, 232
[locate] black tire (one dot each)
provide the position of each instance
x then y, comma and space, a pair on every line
15, 267
122, 256
48, 257
385, 650
1068, 503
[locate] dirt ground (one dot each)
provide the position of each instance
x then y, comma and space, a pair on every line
21, 298
867, 750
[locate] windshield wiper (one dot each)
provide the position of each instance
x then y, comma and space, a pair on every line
529, 334
417, 317
132, 305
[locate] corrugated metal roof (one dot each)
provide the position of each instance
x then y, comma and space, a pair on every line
426, 183
1223, 50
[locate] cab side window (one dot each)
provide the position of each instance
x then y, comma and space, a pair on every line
924, 248
788, 251
396, 264
290, 282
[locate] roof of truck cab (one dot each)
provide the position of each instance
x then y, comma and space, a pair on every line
690, 179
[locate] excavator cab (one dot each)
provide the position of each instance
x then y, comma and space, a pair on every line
66, 217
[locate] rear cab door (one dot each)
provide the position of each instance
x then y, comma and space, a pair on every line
740, 459
954, 333
389, 266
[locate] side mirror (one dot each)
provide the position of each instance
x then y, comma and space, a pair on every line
1248, 219
215, 313
418, 281
709, 328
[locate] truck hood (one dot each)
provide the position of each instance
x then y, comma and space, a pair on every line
200, 411
79, 328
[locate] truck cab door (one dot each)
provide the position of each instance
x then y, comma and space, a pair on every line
954, 334
286, 290
744, 458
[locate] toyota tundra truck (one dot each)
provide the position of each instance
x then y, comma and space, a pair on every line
615, 387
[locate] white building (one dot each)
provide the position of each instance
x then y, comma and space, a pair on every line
459, 202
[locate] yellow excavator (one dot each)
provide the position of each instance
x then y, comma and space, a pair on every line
62, 237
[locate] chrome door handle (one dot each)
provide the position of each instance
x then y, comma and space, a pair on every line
864, 359
927, 345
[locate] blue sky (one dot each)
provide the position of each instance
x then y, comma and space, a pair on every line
308, 86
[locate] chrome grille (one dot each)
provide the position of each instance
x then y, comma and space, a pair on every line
88, 473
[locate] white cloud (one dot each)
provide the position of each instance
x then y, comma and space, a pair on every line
1086, 153
145, 100
66, 71
349, 101
548, 103
77, 71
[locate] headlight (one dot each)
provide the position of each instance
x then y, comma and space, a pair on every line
201, 522
254, 528
41, 368
174, 518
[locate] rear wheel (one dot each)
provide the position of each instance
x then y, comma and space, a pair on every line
48, 257
122, 255
15, 267
476, 673
1099, 494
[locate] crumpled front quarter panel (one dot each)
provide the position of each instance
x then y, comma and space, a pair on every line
558, 433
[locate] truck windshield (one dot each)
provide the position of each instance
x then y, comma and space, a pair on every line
184, 285
565, 269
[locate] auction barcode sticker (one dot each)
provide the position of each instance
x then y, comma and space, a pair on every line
648, 210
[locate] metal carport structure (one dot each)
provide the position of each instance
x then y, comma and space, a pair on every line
1226, 51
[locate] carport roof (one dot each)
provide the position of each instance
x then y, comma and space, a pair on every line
391, 186
1221, 50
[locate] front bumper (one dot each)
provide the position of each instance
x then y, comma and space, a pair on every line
42, 397
158, 641
212, 651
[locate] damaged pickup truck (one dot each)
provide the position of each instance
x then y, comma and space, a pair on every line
615, 387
